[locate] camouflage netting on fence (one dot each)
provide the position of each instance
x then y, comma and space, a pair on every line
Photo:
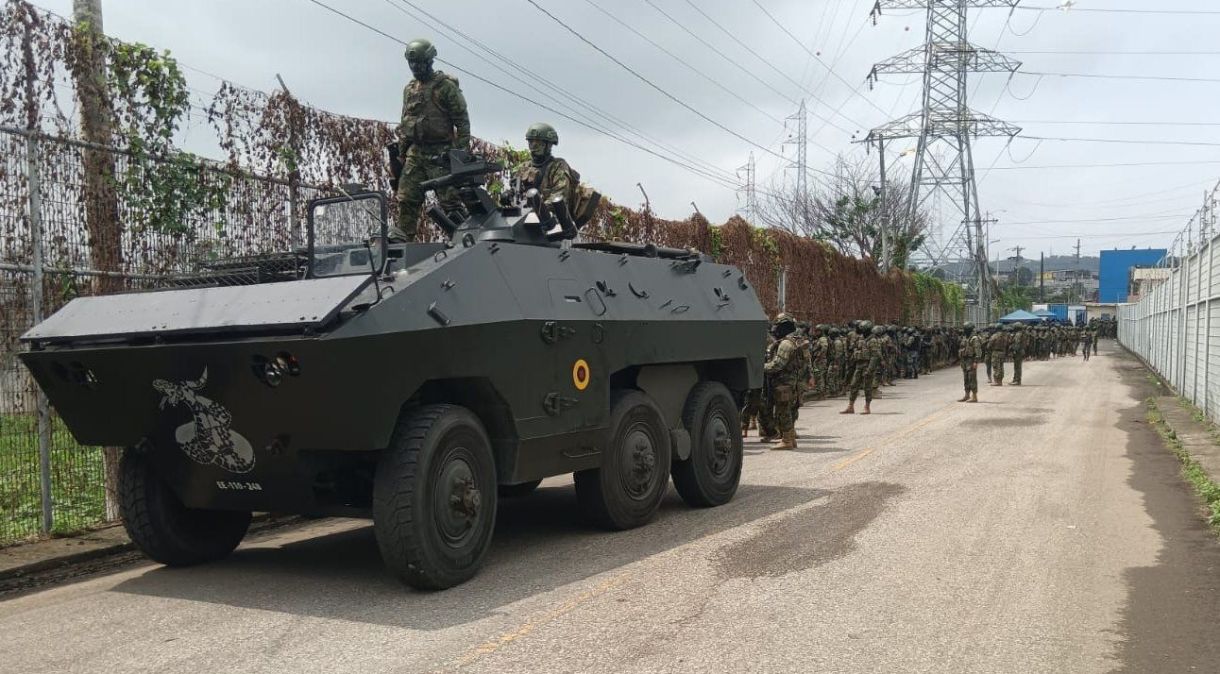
135, 211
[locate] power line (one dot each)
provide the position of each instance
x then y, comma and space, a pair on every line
814, 56
1124, 141
1105, 165
1113, 235
1104, 122
1099, 76
1091, 10
649, 82
1168, 216
682, 61
692, 169
1104, 52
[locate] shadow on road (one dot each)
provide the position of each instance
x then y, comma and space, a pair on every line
540, 544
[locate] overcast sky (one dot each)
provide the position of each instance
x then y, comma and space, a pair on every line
337, 65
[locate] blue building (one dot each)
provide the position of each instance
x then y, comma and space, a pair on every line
1116, 265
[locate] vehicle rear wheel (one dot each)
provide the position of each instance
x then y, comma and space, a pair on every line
711, 475
165, 529
518, 490
627, 490
434, 497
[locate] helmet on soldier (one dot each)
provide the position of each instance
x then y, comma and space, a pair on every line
420, 50
878, 329
543, 132
967, 327
419, 55
864, 327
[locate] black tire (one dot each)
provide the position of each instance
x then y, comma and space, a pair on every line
711, 475
164, 529
627, 490
518, 490
434, 497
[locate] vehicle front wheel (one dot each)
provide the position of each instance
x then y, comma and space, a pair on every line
626, 491
165, 529
434, 497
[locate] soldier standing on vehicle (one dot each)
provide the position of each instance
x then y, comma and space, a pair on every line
785, 369
550, 175
434, 121
969, 353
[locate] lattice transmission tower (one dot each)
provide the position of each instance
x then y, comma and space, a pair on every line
945, 126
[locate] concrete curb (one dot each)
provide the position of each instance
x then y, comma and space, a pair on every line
26, 559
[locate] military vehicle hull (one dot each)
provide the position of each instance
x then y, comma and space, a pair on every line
501, 329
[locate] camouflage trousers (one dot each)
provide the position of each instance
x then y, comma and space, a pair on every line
1017, 361
786, 400
419, 167
821, 385
970, 377
997, 368
863, 378
766, 412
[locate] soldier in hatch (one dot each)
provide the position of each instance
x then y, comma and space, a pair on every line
550, 175
434, 121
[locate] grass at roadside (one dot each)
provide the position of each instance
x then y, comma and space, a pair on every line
1204, 486
77, 481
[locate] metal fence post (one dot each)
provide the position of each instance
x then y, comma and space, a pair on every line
33, 179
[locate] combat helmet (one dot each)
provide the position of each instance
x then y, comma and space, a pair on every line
542, 131
967, 327
878, 330
864, 327
420, 50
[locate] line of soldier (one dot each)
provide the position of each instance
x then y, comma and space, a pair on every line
827, 361
860, 358
434, 121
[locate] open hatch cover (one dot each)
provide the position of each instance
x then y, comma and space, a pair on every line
293, 305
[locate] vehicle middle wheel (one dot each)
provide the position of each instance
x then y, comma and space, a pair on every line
434, 497
626, 491
712, 473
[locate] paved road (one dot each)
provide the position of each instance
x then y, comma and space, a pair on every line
1043, 530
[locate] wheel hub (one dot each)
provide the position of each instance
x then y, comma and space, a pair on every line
717, 431
458, 501
641, 465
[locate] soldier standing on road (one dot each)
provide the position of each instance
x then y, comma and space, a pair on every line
867, 357
434, 121
785, 368
969, 353
819, 353
997, 346
1020, 342
1086, 340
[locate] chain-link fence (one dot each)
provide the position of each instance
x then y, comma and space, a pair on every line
48, 483
1175, 328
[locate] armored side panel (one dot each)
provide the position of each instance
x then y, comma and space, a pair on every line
244, 397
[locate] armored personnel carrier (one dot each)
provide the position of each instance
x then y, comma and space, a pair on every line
414, 383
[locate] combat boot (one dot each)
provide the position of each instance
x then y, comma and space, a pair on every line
851, 409
745, 431
770, 437
788, 443
965, 398
974, 397
867, 408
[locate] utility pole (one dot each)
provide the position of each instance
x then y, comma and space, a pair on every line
1077, 288
1042, 277
945, 126
747, 190
101, 199
886, 256
1016, 267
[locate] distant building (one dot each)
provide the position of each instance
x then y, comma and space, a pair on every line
1116, 265
1144, 280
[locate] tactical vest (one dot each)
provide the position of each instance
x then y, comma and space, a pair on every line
425, 121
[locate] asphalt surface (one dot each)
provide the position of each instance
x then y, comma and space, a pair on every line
1045, 529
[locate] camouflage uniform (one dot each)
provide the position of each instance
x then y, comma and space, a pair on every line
552, 178
820, 354
969, 354
434, 121
1018, 347
868, 358
997, 346
1086, 338
785, 369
